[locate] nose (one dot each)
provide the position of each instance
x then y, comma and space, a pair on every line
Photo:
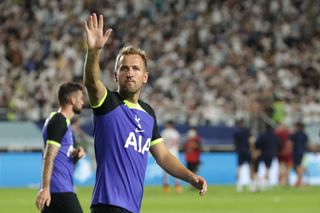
130, 72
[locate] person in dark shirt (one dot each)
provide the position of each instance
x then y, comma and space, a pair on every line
242, 147
268, 144
300, 144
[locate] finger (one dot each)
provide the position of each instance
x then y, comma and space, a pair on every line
86, 28
202, 192
95, 21
204, 189
41, 205
107, 33
37, 204
48, 202
100, 24
90, 22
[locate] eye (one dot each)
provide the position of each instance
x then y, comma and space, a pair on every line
123, 68
136, 68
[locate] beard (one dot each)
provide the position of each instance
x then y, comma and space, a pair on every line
76, 110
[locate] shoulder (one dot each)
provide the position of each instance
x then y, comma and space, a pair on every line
147, 107
58, 119
112, 101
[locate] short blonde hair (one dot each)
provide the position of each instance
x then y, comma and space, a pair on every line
130, 50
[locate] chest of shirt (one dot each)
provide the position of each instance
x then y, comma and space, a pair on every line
131, 129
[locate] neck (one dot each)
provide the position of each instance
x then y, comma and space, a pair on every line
66, 111
131, 97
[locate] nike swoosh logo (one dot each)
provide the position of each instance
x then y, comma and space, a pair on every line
139, 130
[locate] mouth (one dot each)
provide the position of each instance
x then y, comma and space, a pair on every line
130, 81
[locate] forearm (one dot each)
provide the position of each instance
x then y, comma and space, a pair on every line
174, 167
91, 69
48, 161
46, 173
91, 77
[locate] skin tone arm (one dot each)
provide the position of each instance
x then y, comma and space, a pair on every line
44, 197
96, 39
173, 167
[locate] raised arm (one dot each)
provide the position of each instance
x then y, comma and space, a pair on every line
172, 166
96, 39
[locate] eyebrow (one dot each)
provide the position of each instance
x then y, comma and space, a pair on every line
136, 66
127, 66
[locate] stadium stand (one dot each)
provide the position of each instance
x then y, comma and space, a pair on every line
212, 62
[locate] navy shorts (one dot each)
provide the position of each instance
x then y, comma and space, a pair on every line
297, 159
267, 161
66, 202
193, 166
244, 157
104, 208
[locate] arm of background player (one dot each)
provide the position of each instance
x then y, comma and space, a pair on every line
44, 197
173, 167
96, 39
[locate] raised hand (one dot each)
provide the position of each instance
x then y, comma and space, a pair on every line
96, 38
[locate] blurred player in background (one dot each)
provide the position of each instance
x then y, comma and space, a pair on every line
284, 154
125, 128
242, 146
171, 139
300, 145
192, 150
60, 155
268, 145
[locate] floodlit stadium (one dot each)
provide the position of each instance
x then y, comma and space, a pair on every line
211, 64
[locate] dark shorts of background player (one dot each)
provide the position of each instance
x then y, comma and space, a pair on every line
267, 161
193, 166
244, 157
66, 202
104, 208
297, 160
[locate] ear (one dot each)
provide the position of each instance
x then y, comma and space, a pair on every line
72, 100
146, 76
115, 76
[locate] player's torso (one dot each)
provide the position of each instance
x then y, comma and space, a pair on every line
124, 130
122, 142
63, 167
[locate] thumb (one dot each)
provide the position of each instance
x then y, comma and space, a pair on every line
107, 33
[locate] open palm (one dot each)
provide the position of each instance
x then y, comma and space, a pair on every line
96, 38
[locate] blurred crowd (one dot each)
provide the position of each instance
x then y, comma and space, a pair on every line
211, 62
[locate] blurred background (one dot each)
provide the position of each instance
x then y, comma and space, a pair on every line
211, 63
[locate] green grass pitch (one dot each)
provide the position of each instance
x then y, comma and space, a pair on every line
220, 199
